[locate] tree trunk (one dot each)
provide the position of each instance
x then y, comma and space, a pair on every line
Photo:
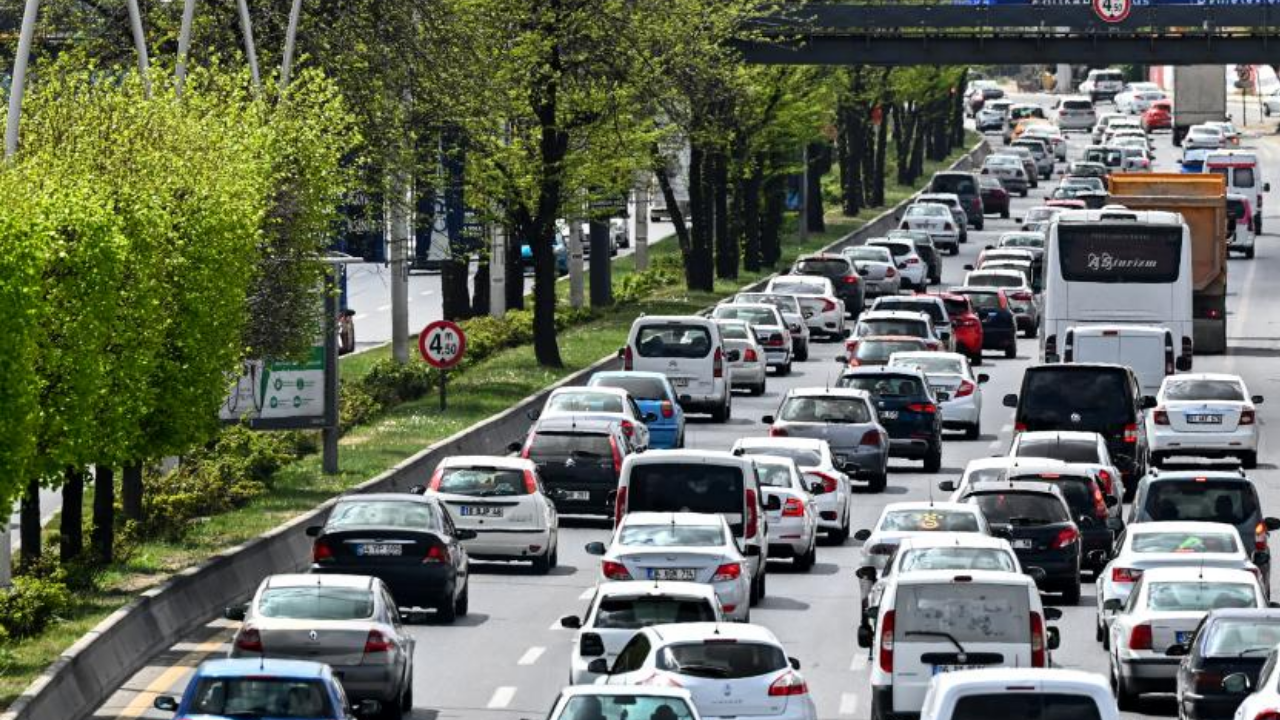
104, 513
455, 297
775, 202
71, 534
917, 149
677, 216
726, 243
701, 257
903, 131
819, 165
878, 178
29, 525
957, 110
514, 287
752, 259
131, 492
480, 291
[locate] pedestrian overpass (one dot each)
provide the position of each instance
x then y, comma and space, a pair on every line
1024, 33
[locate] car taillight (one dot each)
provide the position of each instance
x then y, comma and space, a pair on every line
617, 455
668, 410
1210, 681
1247, 417
1019, 427
775, 431
870, 438
376, 642
789, 684
926, 408
591, 645
793, 507
524, 451
1099, 504
776, 340
1066, 536
530, 482
436, 477
1160, 417
915, 260
436, 554
1140, 637
717, 364
1260, 536
628, 361
1125, 575
1037, 641
321, 551
753, 514
829, 483
1022, 296
851, 347
628, 428
1131, 433
750, 356
249, 639
886, 642
890, 272
948, 226
614, 571
1107, 481
619, 505
727, 571
966, 389
827, 305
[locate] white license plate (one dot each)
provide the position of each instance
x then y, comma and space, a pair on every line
680, 382
938, 669
481, 511
1204, 419
889, 414
1021, 544
387, 550
576, 495
672, 574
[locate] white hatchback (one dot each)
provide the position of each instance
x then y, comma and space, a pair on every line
823, 311
1204, 415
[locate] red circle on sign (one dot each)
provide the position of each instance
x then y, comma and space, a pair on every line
1112, 11
442, 344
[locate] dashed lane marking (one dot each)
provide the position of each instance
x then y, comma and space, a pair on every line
383, 308
141, 702
859, 662
848, 703
502, 697
531, 655
586, 594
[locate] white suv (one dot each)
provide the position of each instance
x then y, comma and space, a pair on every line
1102, 84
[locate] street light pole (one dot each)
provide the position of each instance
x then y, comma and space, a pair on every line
19, 84
290, 37
184, 42
139, 44
250, 49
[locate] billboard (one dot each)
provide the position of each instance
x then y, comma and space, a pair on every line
276, 394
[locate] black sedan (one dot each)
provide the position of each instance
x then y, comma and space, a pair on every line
407, 541
1228, 642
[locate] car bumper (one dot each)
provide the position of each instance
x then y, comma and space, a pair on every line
508, 544
825, 324
777, 357
424, 586
831, 508
599, 500
962, 412
1059, 568
747, 375
789, 536
1208, 707
1242, 439
887, 286
1150, 674
369, 682
909, 447
700, 402
663, 437
735, 594
998, 338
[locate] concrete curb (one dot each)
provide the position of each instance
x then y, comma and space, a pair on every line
88, 672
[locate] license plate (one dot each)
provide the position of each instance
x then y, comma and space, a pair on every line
939, 669
576, 495
1204, 419
888, 414
381, 550
1021, 544
481, 511
672, 574
1182, 636
680, 382
942, 396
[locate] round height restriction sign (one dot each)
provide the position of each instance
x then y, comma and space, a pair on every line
1112, 11
442, 344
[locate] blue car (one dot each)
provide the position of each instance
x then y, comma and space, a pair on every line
559, 247
654, 394
263, 689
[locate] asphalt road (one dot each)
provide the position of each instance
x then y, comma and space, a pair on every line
508, 658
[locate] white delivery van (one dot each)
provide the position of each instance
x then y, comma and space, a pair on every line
1148, 349
687, 349
1244, 177
931, 622
1022, 693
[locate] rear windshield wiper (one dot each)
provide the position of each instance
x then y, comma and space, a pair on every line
937, 633
1246, 651
711, 670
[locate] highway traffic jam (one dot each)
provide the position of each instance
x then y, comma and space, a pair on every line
991, 464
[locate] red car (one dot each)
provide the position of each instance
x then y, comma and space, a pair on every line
965, 325
1158, 117
995, 199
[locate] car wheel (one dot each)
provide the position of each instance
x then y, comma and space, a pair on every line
764, 584
720, 413
1249, 460
1266, 110
1071, 593
1248, 254
393, 710
753, 594
1004, 214
542, 563
1012, 350
785, 369
1030, 332
878, 482
973, 431
933, 461
1157, 459
463, 603
1021, 193
805, 562
1099, 632
981, 224
840, 535
1126, 698
447, 612
802, 353
759, 389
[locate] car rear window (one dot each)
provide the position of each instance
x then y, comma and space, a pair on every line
896, 249
1196, 595
1020, 509
483, 482
406, 514
929, 520
958, 184
1081, 398
968, 612
869, 254
316, 602
1022, 241
1240, 637
984, 300
784, 303
632, 613
561, 444
798, 287
1000, 280
734, 331
872, 351
749, 315
641, 388
1226, 501
673, 341
585, 401
1183, 542
773, 474
260, 696
1072, 451
722, 660
671, 534
956, 558
824, 410
626, 706
1026, 706
931, 364
1222, 390
828, 267
1077, 105
932, 309
956, 306
884, 384
914, 328
685, 487
802, 456
1076, 489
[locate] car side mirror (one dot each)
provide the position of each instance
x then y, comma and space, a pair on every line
983, 378
1038, 575
1148, 402
1272, 524
1237, 683
767, 419
235, 612
842, 360
533, 414
817, 488
314, 530
734, 355
864, 635
571, 622
989, 247
969, 266
166, 703
595, 548
1256, 399
417, 489
1266, 187
515, 447
772, 503
866, 572
1182, 364
794, 663
651, 417
465, 534
862, 535
1176, 650
1010, 400
621, 352
1052, 614
947, 486
1113, 605
1054, 639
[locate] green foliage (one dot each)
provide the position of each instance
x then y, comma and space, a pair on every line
635, 287
31, 604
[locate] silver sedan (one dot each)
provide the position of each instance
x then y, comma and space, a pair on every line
879, 272
845, 419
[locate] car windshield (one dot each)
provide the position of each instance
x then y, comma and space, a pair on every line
747, 314
1080, 398
994, 279
1241, 637
625, 707
1020, 509
1201, 390
316, 602
584, 401
884, 384
1226, 501
260, 696
869, 254
673, 341
825, 267
1199, 596
876, 350
804, 457
824, 410
671, 534
968, 612
633, 613
914, 328
929, 520
406, 514
641, 388
1073, 451
956, 558
798, 287
721, 660
776, 475
957, 184
929, 364
685, 487
929, 307
1183, 542
1026, 706
1022, 241
483, 482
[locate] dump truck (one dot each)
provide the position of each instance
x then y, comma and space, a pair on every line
1201, 199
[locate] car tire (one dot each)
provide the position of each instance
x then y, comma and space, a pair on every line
841, 534
785, 369
878, 482
1266, 110
764, 584
1157, 459
753, 594
1004, 214
1030, 332
1248, 254
980, 224
1021, 193
974, 431
758, 389
1012, 350
805, 562
463, 604
393, 710
1249, 460
933, 460
1126, 698
720, 413
1099, 632
542, 564
447, 612
802, 353
1071, 593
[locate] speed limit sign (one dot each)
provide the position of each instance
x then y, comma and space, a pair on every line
1112, 11
442, 344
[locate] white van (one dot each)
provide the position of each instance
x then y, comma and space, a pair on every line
1022, 693
689, 350
1148, 349
1244, 177
702, 481
995, 617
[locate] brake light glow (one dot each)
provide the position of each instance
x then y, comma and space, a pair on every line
628, 428
1099, 504
789, 684
619, 505
717, 364
966, 389
1107, 481
850, 279
1269, 714
436, 554
614, 571
750, 356
1140, 637
249, 639
668, 410
1260, 536
321, 551
886, 642
727, 571
829, 483
617, 455
1066, 536
775, 431
753, 514
926, 408
1125, 575
827, 305
524, 451
915, 260
1247, 417
376, 642
1160, 417
793, 507
1131, 433
1019, 427
1037, 641
890, 272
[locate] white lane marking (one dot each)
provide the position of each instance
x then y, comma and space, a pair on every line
994, 445
848, 703
361, 316
586, 594
531, 655
502, 697
1006, 428
425, 292
383, 308
557, 626
859, 662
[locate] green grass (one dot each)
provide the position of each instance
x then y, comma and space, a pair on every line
366, 451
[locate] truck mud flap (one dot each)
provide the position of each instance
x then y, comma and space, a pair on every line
1210, 336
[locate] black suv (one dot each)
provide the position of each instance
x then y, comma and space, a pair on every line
579, 460
842, 274
964, 184
904, 407
1100, 398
